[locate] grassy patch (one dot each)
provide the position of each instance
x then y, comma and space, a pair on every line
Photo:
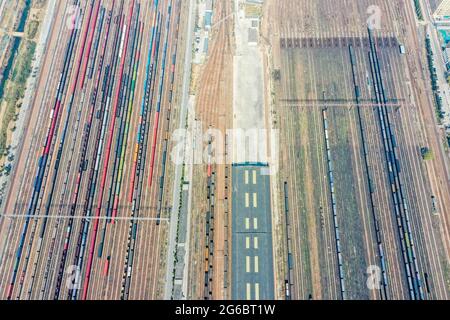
427, 154
16, 89
32, 29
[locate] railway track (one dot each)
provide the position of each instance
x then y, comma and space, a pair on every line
86, 160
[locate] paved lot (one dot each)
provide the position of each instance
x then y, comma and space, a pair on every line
252, 264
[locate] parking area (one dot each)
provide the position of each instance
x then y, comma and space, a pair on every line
252, 257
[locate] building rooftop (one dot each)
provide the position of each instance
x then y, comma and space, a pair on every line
209, 5
252, 36
443, 11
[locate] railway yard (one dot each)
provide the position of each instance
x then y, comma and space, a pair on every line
91, 179
339, 204
354, 117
